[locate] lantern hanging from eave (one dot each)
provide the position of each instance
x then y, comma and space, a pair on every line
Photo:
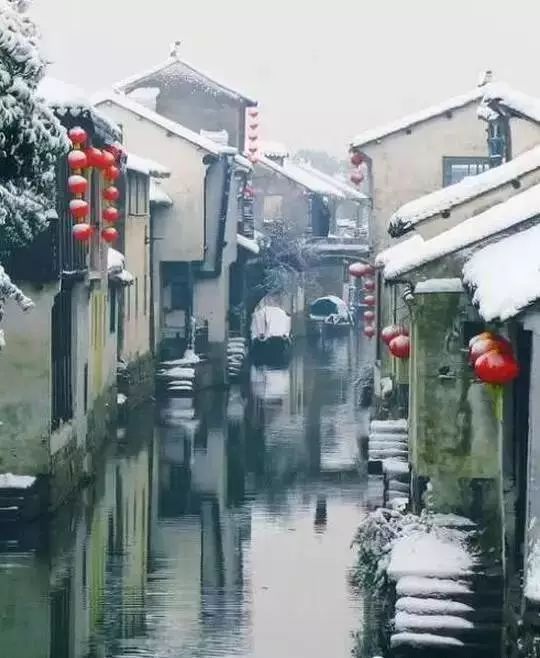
389, 333
77, 159
253, 112
107, 160
111, 214
484, 345
77, 184
112, 173
483, 335
369, 300
358, 269
369, 331
357, 158
93, 156
495, 367
82, 232
357, 177
369, 316
78, 136
400, 346
369, 285
111, 193
109, 234
116, 150
79, 208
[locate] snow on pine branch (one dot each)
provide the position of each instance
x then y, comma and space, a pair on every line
31, 137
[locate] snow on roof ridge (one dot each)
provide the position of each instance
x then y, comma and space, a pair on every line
500, 293
349, 190
499, 218
165, 123
406, 217
121, 85
455, 102
297, 174
518, 101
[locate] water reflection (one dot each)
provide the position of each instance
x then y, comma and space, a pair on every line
222, 530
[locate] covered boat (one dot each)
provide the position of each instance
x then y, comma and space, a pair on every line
330, 313
270, 334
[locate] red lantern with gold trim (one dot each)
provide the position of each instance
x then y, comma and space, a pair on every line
78, 136
77, 184
82, 232
111, 214
357, 159
111, 193
109, 234
369, 316
400, 346
495, 367
390, 332
77, 159
369, 331
79, 208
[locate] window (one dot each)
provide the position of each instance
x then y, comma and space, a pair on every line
456, 169
137, 193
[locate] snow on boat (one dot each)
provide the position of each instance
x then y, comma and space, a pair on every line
331, 313
270, 334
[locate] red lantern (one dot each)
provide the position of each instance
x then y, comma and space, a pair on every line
253, 137
93, 156
400, 346
369, 316
82, 232
107, 160
357, 177
112, 173
495, 367
484, 345
78, 135
253, 112
369, 300
109, 234
249, 192
253, 158
359, 269
111, 214
77, 160
78, 208
77, 184
369, 285
116, 150
357, 158
111, 193
253, 149
254, 125
484, 334
389, 333
369, 331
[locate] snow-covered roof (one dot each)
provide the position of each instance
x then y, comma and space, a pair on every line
497, 219
66, 98
116, 267
174, 62
349, 191
505, 276
106, 97
500, 94
242, 162
158, 194
374, 134
446, 198
400, 250
439, 285
146, 166
10, 481
247, 243
306, 179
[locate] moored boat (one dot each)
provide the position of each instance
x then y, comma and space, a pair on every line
331, 315
270, 335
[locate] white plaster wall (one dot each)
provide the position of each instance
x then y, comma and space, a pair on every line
179, 230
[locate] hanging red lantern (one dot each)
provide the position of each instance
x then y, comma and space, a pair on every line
111, 214
359, 269
82, 232
390, 332
253, 157
112, 173
249, 192
79, 208
116, 150
77, 159
254, 125
484, 345
253, 149
369, 285
93, 156
253, 137
107, 160
495, 367
369, 316
111, 193
253, 112
400, 346
369, 300
357, 177
369, 331
357, 159
77, 184
77, 135
109, 234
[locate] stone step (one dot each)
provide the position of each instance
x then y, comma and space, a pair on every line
390, 426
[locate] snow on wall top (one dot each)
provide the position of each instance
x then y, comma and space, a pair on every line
438, 285
306, 179
158, 194
446, 198
374, 134
65, 97
501, 94
173, 63
501, 293
349, 191
497, 219
146, 166
110, 97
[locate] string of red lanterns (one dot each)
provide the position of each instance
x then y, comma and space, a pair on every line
358, 162
358, 271
107, 162
252, 141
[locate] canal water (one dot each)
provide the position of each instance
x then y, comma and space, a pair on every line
216, 527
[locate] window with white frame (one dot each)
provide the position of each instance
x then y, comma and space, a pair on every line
137, 193
456, 169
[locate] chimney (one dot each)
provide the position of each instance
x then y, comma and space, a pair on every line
174, 52
485, 78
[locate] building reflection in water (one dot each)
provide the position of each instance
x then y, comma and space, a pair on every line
207, 533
